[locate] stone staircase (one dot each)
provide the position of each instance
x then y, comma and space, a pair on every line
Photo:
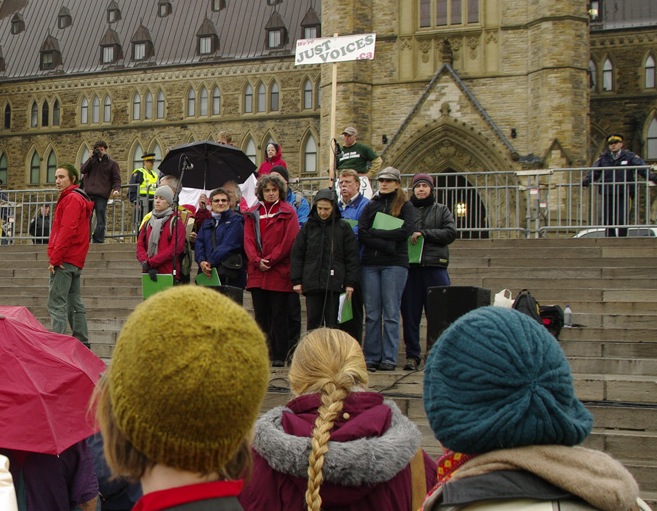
612, 348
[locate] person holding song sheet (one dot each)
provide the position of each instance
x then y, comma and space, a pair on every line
384, 227
434, 231
324, 261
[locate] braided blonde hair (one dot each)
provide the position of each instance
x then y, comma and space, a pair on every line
329, 362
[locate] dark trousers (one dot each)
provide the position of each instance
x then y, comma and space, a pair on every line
294, 318
271, 309
615, 213
354, 326
100, 207
415, 299
322, 309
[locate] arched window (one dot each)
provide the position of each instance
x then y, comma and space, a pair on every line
84, 156
107, 109
250, 150
651, 153
650, 72
136, 157
248, 99
45, 113
35, 169
160, 105
191, 103
593, 75
262, 98
148, 106
51, 167
310, 155
307, 95
95, 110
34, 115
216, 101
136, 107
84, 111
203, 99
607, 76
158, 154
273, 97
3, 168
56, 113
7, 117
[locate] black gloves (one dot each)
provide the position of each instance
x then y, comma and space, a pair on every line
144, 266
152, 273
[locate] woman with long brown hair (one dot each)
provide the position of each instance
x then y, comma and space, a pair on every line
335, 445
384, 267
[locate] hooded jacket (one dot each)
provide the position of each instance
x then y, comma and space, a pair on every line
69, 237
436, 224
270, 163
325, 252
274, 245
366, 467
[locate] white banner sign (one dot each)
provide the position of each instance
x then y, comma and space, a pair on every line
335, 49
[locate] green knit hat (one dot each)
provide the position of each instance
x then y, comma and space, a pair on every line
187, 378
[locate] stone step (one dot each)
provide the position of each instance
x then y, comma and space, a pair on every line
610, 349
515, 281
645, 473
611, 366
616, 388
626, 417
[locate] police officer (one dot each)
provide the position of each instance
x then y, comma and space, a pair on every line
143, 184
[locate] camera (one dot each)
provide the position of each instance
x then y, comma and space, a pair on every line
96, 152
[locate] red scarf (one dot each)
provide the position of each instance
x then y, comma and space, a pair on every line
449, 463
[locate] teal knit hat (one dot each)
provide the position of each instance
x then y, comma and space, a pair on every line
496, 379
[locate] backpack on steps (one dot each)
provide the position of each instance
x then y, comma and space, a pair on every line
527, 304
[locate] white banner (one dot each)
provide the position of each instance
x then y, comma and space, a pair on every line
335, 49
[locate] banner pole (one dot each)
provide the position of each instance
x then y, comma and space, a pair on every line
334, 100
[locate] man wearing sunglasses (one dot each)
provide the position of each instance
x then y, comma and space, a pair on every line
617, 184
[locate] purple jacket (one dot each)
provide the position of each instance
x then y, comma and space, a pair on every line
366, 466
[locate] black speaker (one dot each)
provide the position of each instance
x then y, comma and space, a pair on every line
234, 293
448, 303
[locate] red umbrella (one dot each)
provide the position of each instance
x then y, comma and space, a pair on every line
22, 315
46, 381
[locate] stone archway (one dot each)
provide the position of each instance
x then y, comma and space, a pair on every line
474, 169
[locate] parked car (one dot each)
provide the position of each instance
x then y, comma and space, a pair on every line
633, 232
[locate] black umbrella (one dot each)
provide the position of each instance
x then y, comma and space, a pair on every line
213, 164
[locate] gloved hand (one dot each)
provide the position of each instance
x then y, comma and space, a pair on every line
145, 266
152, 273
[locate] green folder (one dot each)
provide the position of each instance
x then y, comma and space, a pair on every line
415, 251
345, 312
203, 280
386, 222
148, 287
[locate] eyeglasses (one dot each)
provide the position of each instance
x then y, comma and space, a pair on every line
218, 201
384, 180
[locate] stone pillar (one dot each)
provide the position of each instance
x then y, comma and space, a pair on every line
558, 81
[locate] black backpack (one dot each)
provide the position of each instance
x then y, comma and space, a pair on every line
527, 304
553, 319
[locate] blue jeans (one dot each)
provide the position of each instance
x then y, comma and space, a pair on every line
382, 292
65, 303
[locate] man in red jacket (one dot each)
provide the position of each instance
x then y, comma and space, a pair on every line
67, 251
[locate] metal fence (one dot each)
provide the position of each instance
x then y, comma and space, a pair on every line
511, 204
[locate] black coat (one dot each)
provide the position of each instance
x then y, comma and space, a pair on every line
436, 224
325, 254
385, 247
620, 179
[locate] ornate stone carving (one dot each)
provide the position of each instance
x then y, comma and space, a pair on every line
473, 43
446, 54
425, 46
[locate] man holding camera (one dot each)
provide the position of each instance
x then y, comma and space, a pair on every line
100, 177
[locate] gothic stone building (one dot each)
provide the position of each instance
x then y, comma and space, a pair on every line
455, 86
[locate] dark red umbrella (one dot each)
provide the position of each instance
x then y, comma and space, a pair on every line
46, 381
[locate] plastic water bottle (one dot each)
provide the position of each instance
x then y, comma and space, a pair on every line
568, 317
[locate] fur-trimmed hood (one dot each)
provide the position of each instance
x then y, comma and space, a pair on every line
357, 462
